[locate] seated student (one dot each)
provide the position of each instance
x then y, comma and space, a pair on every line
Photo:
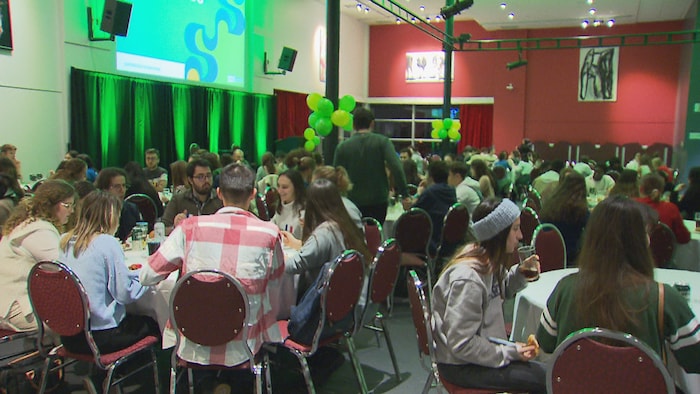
626, 185
97, 259
466, 189
650, 190
138, 184
468, 307
567, 209
341, 180
619, 270
599, 182
290, 186
690, 202
113, 180
328, 231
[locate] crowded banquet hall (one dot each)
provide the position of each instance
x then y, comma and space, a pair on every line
350, 196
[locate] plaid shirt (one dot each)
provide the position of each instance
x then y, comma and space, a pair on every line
233, 241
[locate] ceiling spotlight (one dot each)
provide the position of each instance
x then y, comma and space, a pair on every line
422, 8
503, 6
398, 21
427, 19
589, 2
597, 23
611, 23
456, 8
437, 18
592, 11
359, 7
366, 10
413, 20
584, 24
518, 63
511, 16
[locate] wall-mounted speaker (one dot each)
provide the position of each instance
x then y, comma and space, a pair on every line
115, 17
287, 59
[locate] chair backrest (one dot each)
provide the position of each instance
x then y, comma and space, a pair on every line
454, 228
662, 242
420, 312
67, 314
528, 223
583, 364
260, 205
147, 208
384, 271
272, 200
374, 235
413, 230
195, 317
550, 247
535, 199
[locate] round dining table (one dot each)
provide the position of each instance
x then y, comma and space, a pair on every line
530, 302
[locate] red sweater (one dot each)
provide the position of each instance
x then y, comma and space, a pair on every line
670, 216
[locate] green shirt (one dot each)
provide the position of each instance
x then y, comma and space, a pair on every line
364, 156
681, 327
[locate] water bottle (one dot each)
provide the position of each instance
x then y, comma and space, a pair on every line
159, 231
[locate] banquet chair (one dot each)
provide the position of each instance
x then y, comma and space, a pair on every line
598, 360
339, 295
272, 200
528, 223
662, 242
217, 324
534, 198
413, 230
10, 347
261, 207
454, 231
147, 208
422, 318
69, 315
382, 279
374, 234
550, 247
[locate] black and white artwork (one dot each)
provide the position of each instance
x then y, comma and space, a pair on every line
598, 68
426, 66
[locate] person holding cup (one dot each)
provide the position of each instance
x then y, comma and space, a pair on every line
468, 323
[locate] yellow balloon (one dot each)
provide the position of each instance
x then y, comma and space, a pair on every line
456, 125
437, 124
312, 100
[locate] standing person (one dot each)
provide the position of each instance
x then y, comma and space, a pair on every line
364, 156
650, 191
290, 186
97, 259
200, 199
30, 235
234, 241
113, 180
468, 307
158, 176
615, 288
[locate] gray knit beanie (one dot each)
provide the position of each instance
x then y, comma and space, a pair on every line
500, 218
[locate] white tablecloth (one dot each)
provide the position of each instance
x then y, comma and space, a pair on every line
687, 256
530, 302
155, 303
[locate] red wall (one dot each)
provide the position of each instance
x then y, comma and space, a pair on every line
543, 104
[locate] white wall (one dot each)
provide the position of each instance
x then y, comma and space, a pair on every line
50, 37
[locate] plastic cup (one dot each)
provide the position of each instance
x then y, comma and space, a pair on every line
531, 273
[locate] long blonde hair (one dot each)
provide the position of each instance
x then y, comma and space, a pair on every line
42, 206
97, 213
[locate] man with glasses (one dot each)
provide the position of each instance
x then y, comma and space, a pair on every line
200, 199
113, 180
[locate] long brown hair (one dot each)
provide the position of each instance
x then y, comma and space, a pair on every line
568, 202
323, 204
42, 206
98, 213
491, 255
615, 256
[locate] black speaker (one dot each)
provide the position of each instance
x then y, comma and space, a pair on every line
287, 59
115, 17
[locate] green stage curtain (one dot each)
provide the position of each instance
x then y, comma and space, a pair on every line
114, 119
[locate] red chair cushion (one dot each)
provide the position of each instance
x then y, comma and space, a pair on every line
110, 358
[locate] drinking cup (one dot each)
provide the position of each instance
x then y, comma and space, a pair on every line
529, 271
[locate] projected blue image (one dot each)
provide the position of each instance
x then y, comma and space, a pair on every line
197, 40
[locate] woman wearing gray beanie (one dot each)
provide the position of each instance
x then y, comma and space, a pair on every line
468, 308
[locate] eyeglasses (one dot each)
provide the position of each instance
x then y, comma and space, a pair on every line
67, 205
202, 177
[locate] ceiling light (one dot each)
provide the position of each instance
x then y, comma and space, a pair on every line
611, 23
597, 23
413, 20
503, 6
422, 8
584, 24
366, 10
398, 21
359, 7
511, 16
427, 19
589, 1
456, 8
592, 11
437, 18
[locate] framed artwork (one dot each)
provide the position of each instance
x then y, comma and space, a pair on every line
426, 66
598, 69
5, 25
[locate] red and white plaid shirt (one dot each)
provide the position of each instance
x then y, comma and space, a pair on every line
236, 242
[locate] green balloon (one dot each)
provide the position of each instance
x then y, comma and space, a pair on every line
447, 123
313, 118
325, 107
348, 126
309, 134
347, 103
309, 146
442, 134
324, 126
317, 141
453, 134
